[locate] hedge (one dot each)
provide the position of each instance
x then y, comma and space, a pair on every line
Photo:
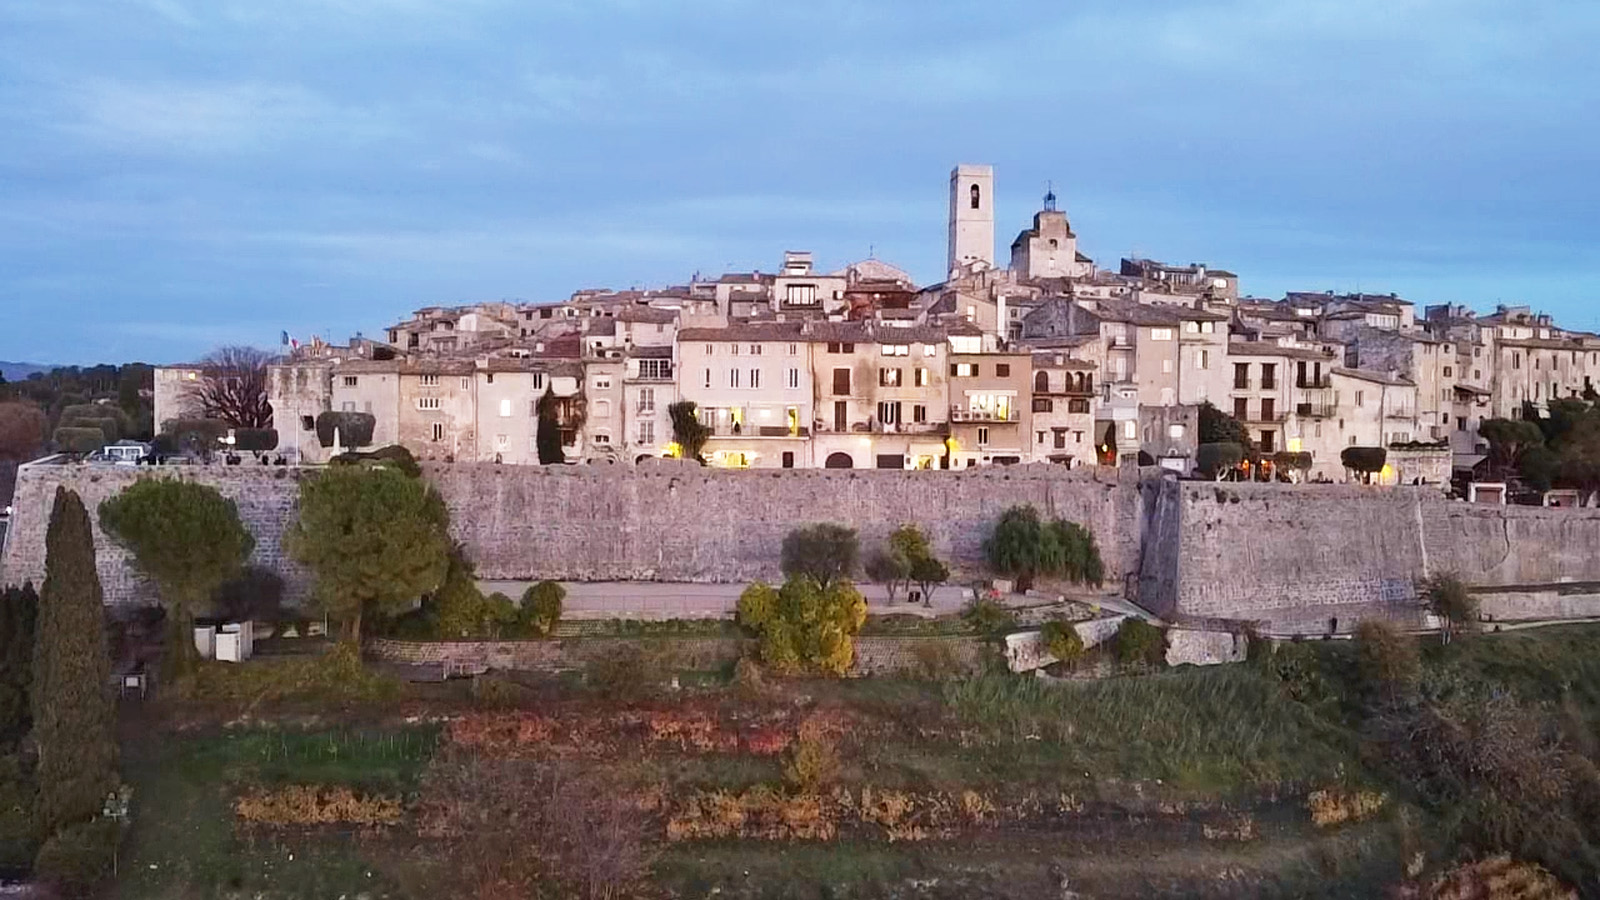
355, 428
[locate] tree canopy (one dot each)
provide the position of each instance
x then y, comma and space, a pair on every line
233, 387
375, 539
1024, 547
826, 552
805, 625
547, 440
1217, 427
688, 432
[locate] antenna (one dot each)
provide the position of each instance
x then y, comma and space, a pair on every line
872, 251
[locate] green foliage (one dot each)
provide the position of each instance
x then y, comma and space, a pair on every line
254, 595
747, 677
929, 573
1025, 547
813, 763
375, 539
393, 456
1447, 597
1507, 439
824, 552
688, 432
1366, 460
198, 436
804, 626
1216, 460
628, 673
187, 538
1538, 467
19, 838
460, 611
541, 607
73, 718
19, 611
22, 430
1292, 460
79, 856
354, 428
255, 440
1386, 661
79, 441
988, 617
1062, 641
889, 569
548, 438
107, 417
1140, 644
335, 678
1217, 427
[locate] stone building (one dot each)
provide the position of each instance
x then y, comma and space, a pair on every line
752, 385
881, 395
1063, 408
971, 217
991, 415
1049, 249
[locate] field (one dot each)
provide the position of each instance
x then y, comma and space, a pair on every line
1249, 780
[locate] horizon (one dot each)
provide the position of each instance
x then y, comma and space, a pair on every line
187, 175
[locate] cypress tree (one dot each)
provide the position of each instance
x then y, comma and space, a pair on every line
74, 719
547, 440
18, 609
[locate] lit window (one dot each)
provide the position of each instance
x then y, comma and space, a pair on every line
922, 378
895, 349
930, 349
888, 378
1161, 334
505, 408
1175, 431
1130, 429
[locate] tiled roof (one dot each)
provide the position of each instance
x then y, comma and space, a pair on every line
1374, 377
1263, 348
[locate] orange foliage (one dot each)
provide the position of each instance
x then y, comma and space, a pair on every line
313, 805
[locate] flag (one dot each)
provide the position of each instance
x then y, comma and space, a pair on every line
286, 338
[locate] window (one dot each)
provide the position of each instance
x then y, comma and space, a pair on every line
505, 408
755, 378
983, 435
599, 437
1202, 358
348, 406
1166, 367
1038, 437
427, 403
1191, 327
889, 412
1161, 334
895, 349
708, 378
466, 383
1268, 407
1516, 360
733, 378
1477, 374
919, 413
438, 431
1208, 327
888, 378
655, 368
537, 381
788, 459
350, 381
1361, 397
1060, 438
1043, 405
1078, 405
1241, 408
711, 349
488, 377
647, 431
1130, 429
501, 441
1448, 372
308, 423
1175, 431
1269, 376
1269, 441
430, 381
930, 349
602, 383
921, 377
976, 196
755, 349
1241, 376
794, 378
801, 295
794, 350
841, 382
1002, 370
647, 401
964, 370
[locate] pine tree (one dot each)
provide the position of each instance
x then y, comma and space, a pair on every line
74, 720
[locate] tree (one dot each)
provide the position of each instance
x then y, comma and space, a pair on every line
1447, 597
824, 551
187, 538
1387, 661
73, 718
1022, 547
197, 436
354, 429
1507, 439
254, 595
688, 432
1062, 641
79, 441
1217, 427
890, 569
548, 439
928, 573
1080, 555
375, 539
1538, 467
1295, 463
22, 431
19, 611
541, 607
255, 440
233, 387
1216, 461
1367, 461
805, 625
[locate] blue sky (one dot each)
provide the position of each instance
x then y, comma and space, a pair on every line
176, 174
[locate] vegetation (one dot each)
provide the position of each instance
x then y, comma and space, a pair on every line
74, 725
547, 440
1448, 598
1024, 547
1217, 460
805, 626
375, 539
198, 437
1558, 449
541, 607
393, 456
988, 617
19, 612
889, 569
1141, 644
79, 441
1062, 641
688, 432
1217, 427
825, 552
353, 429
127, 388
907, 559
1365, 461
1387, 662
188, 539
232, 388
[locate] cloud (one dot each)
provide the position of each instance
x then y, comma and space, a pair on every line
199, 118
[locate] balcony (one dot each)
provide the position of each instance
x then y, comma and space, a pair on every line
1311, 384
1316, 410
649, 378
1257, 418
1399, 414
725, 429
910, 427
962, 414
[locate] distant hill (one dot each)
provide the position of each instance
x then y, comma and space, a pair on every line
17, 371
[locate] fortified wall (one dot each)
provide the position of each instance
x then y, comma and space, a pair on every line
1291, 557
672, 523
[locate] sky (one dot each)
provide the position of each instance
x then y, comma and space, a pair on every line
181, 174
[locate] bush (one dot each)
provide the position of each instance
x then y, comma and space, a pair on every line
825, 552
1141, 644
194, 435
80, 856
19, 838
541, 607
805, 626
79, 441
813, 762
355, 428
1212, 460
1063, 642
1448, 598
627, 674
936, 660
255, 440
1366, 460
747, 677
988, 617
1386, 660
393, 456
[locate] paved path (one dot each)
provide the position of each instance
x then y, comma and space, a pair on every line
686, 600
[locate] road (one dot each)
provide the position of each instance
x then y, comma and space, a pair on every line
683, 600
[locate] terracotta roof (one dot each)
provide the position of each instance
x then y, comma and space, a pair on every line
1263, 348
1375, 377
646, 314
1135, 313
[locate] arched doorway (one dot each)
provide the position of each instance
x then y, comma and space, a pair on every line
839, 461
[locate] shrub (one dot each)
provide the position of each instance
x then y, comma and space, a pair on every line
1448, 598
628, 673
1216, 460
1141, 644
1063, 642
79, 441
988, 617
393, 456
1025, 547
1366, 460
355, 428
79, 856
194, 435
541, 607
334, 677
255, 440
936, 660
19, 839
813, 763
805, 626
747, 677
1386, 660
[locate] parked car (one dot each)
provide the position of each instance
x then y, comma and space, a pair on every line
122, 453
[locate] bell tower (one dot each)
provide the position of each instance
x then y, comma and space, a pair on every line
971, 215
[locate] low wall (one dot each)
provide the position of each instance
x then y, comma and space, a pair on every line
874, 655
